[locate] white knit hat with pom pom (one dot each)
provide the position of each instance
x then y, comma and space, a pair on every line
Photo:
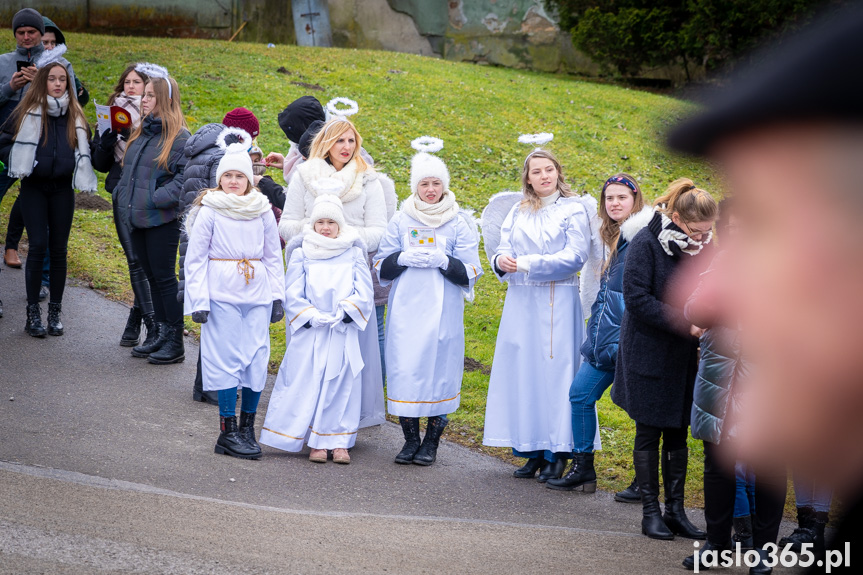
424, 165
328, 206
236, 155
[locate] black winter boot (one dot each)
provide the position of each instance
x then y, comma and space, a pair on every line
154, 340
581, 474
529, 469
411, 431
674, 478
551, 470
54, 325
427, 453
805, 532
706, 555
760, 568
230, 442
631, 494
172, 351
34, 326
647, 475
821, 520
247, 431
132, 333
743, 532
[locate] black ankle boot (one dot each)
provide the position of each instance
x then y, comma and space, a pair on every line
743, 532
529, 469
198, 393
581, 474
230, 442
551, 470
689, 562
247, 431
132, 333
821, 520
647, 475
427, 452
761, 568
629, 495
172, 351
411, 431
805, 531
54, 325
674, 477
34, 326
154, 340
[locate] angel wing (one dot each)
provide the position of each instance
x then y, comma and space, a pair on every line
390, 197
592, 270
499, 206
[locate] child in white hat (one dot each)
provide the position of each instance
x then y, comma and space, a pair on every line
329, 299
234, 288
430, 255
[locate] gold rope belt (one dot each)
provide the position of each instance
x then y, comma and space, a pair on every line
244, 266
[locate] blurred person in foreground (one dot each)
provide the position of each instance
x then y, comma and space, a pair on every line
789, 139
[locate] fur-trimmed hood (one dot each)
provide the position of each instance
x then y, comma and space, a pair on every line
636, 222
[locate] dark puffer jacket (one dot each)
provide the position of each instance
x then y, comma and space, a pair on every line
147, 194
606, 313
720, 370
55, 158
658, 358
102, 153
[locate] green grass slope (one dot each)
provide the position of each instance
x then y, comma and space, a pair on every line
478, 111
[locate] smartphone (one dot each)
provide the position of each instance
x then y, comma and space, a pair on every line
23, 64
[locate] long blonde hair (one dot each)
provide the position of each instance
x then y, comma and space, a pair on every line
609, 231
531, 200
692, 204
329, 134
171, 112
37, 97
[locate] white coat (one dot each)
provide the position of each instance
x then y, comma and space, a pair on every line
425, 321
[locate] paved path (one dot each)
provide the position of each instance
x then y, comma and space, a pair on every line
107, 465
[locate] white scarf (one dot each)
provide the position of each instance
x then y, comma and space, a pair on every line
22, 157
671, 234
432, 215
314, 169
318, 247
132, 105
236, 207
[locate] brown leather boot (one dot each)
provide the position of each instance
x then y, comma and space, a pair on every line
11, 258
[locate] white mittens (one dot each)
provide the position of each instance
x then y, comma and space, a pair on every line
414, 258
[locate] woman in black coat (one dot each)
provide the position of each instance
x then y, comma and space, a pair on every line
658, 355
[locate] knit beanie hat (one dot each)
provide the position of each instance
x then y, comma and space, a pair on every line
236, 155
299, 115
425, 165
305, 143
51, 27
328, 206
28, 17
243, 119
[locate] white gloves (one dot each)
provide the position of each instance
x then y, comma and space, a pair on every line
337, 318
414, 258
320, 320
438, 259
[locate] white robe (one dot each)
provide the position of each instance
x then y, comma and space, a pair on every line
541, 329
318, 393
235, 341
425, 321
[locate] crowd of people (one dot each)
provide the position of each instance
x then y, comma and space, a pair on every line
621, 291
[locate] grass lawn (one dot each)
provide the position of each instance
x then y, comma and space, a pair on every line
478, 111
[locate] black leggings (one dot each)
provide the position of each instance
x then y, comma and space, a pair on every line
647, 437
156, 249
15, 229
137, 275
720, 490
49, 208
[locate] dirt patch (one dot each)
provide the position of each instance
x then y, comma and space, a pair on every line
470, 364
91, 202
309, 86
283, 70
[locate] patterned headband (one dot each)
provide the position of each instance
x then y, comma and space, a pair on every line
622, 181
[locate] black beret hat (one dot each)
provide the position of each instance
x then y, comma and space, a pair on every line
299, 115
816, 78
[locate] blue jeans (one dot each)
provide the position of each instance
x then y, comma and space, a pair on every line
547, 455
744, 501
807, 494
380, 311
586, 389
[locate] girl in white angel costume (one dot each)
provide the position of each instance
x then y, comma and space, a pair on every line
430, 255
545, 240
234, 288
329, 300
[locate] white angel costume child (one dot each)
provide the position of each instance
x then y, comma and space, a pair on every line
430, 255
329, 301
235, 284
541, 329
